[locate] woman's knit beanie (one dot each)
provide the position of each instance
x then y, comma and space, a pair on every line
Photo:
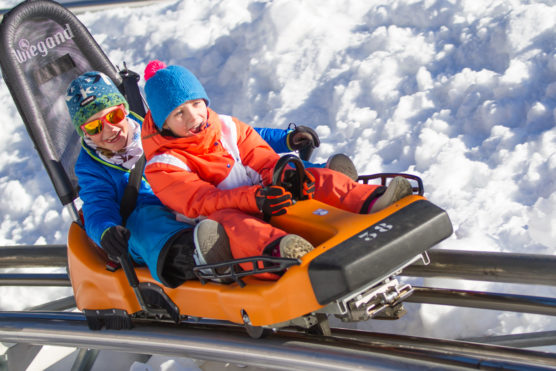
90, 93
168, 87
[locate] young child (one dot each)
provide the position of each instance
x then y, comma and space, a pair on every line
111, 146
202, 164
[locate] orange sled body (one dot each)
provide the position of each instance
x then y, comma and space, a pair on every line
354, 253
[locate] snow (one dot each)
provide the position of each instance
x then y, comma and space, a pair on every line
460, 93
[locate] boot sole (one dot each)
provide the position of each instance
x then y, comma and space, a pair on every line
294, 247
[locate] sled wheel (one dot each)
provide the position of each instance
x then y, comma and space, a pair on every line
322, 327
255, 332
280, 168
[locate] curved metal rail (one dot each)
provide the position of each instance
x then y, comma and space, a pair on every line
488, 266
24, 256
347, 349
471, 265
34, 279
484, 300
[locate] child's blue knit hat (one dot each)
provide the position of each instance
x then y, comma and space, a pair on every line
90, 93
167, 88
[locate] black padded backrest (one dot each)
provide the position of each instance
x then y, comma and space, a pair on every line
43, 47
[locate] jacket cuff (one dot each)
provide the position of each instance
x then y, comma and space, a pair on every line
288, 140
253, 199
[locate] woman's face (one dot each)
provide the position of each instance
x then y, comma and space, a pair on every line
113, 137
187, 119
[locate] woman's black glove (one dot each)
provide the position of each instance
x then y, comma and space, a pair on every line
303, 137
114, 241
273, 200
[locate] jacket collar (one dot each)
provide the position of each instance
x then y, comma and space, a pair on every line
201, 143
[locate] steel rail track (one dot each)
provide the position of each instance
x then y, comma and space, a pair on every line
35, 279
346, 349
460, 347
528, 340
470, 265
488, 266
25, 256
522, 340
484, 300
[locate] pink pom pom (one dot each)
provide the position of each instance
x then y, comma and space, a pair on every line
152, 67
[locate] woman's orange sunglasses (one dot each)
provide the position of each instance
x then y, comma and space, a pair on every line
114, 116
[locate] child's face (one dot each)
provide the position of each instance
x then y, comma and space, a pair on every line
114, 136
188, 119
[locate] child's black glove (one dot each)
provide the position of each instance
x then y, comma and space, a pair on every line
273, 200
114, 241
291, 182
303, 137
308, 186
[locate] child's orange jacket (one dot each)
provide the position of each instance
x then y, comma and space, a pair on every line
224, 164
